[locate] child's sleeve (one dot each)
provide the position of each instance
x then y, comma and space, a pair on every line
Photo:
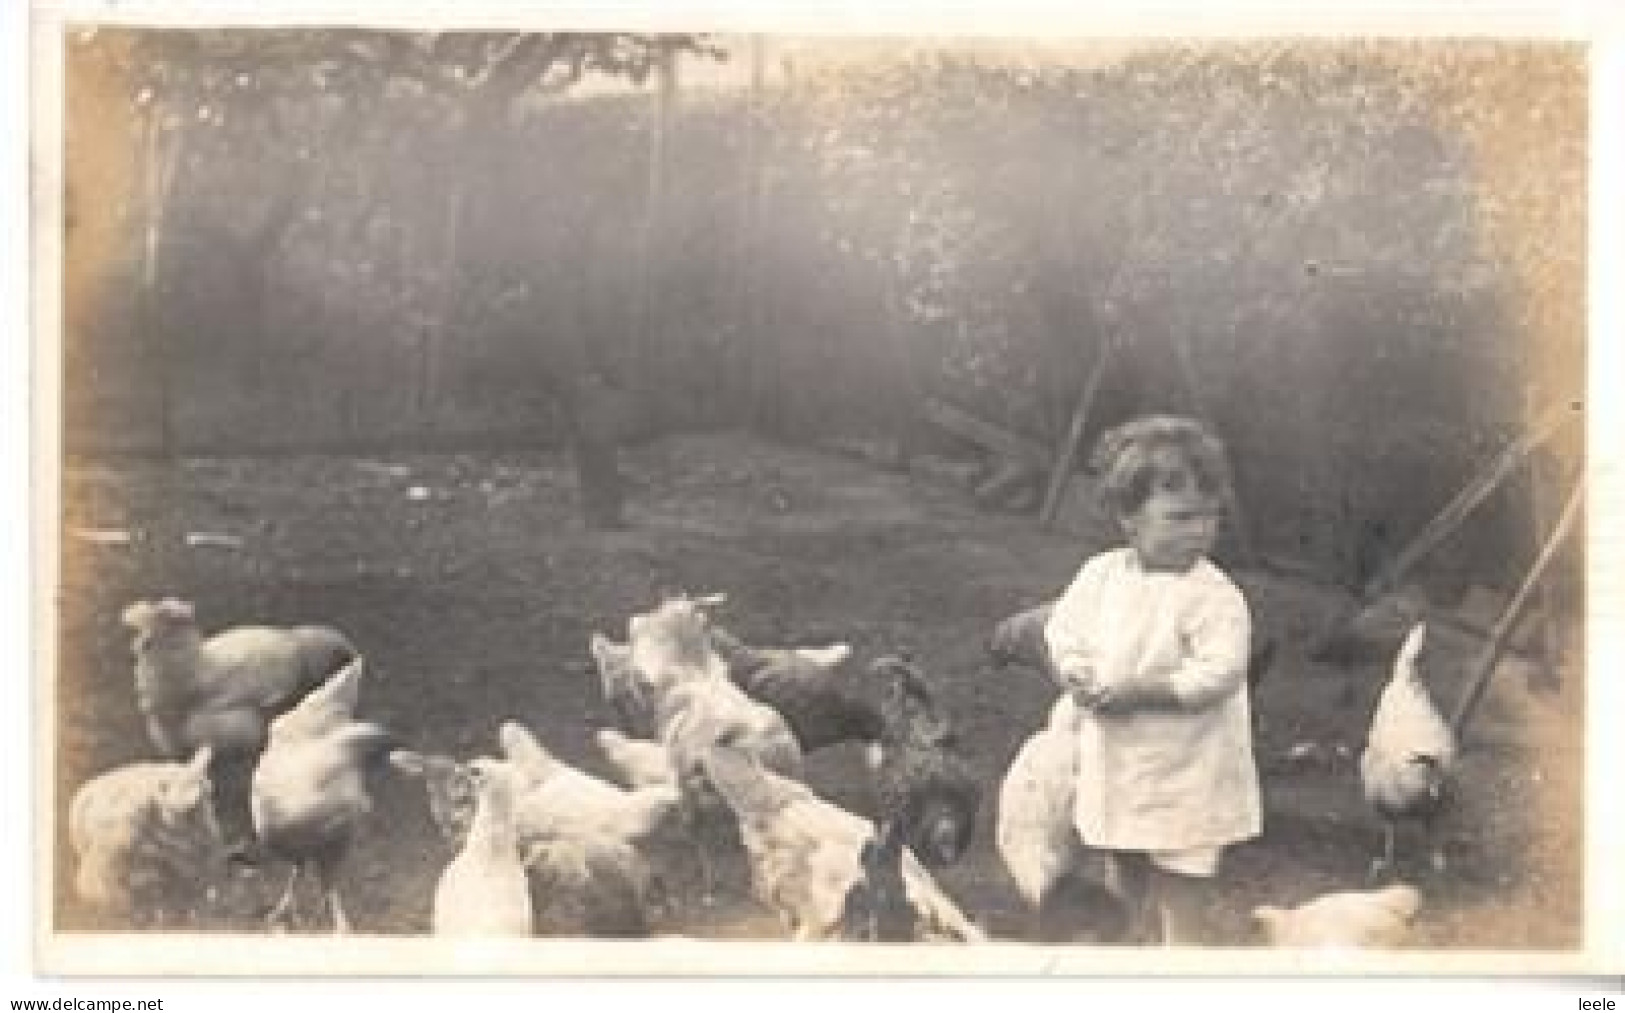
1216, 662
1067, 634
1215, 655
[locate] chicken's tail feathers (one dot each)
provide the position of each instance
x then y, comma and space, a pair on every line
607, 652
610, 740
323, 652
341, 692
326, 707
939, 914
831, 656
1410, 651
526, 752
201, 760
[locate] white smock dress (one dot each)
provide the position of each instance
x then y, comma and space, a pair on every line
1176, 783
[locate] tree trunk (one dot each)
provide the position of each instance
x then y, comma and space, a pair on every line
597, 417
763, 364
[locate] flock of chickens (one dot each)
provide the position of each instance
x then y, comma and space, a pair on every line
267, 760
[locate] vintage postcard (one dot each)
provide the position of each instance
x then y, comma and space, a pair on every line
738, 493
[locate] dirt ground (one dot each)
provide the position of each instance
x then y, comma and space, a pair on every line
472, 588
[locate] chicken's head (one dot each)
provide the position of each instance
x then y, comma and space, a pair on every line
156, 621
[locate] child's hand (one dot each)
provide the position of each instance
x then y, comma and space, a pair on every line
1089, 691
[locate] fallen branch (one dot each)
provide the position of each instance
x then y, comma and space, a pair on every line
988, 435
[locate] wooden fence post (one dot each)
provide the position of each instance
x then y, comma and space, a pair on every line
1061, 472
1485, 667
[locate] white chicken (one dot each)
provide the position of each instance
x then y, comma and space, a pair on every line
1034, 833
807, 855
615, 849
1355, 919
672, 644
141, 830
1052, 869
807, 686
558, 800
1408, 764
309, 788
595, 853
223, 691
696, 706
484, 890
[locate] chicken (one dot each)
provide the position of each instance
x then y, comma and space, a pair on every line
484, 891
1069, 887
1408, 765
806, 685
696, 706
806, 856
1375, 919
922, 772
694, 716
638, 763
309, 790
592, 876
667, 645
223, 691
558, 800
142, 832
672, 644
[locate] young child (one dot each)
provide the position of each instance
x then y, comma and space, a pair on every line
1151, 641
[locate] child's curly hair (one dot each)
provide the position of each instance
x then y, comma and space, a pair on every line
1159, 452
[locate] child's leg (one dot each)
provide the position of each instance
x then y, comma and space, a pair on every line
1129, 878
1180, 898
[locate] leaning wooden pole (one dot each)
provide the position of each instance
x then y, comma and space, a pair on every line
1471, 496
1061, 472
1548, 644
1487, 661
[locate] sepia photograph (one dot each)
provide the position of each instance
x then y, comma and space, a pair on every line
545, 498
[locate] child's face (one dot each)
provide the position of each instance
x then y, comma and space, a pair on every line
1173, 528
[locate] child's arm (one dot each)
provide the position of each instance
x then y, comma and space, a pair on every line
1214, 664
1066, 634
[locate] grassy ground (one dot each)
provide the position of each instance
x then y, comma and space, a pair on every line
472, 588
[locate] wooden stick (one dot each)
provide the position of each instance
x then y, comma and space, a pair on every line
1514, 611
1465, 502
1547, 645
986, 434
1061, 473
